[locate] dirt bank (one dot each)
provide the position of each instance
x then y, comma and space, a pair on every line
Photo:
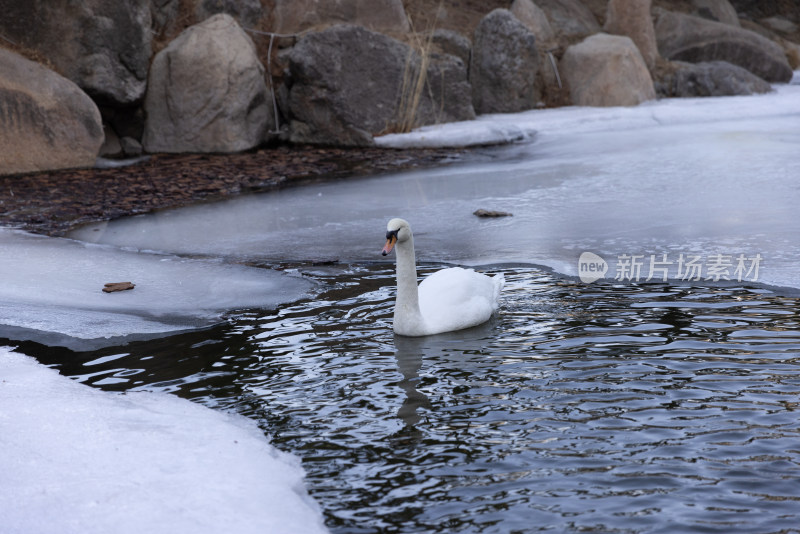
53, 202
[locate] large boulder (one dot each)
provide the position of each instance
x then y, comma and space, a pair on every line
504, 64
550, 90
717, 10
206, 92
570, 19
607, 70
535, 20
632, 18
714, 78
291, 16
46, 121
350, 84
453, 43
688, 38
101, 45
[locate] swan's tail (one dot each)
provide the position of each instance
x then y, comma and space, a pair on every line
499, 281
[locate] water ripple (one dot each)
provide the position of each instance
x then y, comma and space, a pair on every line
600, 408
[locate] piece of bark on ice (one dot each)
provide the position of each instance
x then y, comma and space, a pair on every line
117, 286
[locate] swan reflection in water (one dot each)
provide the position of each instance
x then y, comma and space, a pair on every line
450, 354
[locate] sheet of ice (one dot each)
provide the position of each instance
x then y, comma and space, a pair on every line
76, 460
55, 285
690, 176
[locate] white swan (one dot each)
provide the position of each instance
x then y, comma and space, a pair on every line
447, 300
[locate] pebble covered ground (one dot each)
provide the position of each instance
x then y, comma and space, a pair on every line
53, 202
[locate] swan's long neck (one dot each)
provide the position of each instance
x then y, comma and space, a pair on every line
407, 304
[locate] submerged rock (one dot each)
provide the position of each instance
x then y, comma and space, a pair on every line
206, 92
607, 70
46, 121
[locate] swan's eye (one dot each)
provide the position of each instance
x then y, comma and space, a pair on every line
391, 233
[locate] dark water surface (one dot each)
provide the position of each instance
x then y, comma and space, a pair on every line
581, 408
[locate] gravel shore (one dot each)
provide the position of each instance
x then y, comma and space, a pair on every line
53, 202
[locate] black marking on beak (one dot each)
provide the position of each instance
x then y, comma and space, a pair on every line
391, 239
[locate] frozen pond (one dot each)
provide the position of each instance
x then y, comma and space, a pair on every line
695, 177
659, 399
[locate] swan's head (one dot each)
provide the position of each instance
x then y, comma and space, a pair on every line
397, 231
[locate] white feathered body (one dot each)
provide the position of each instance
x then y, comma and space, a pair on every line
447, 300
456, 298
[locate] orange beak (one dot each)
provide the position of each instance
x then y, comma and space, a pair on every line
387, 248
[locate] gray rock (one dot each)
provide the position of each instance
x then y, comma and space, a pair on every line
504, 65
569, 18
349, 84
131, 147
111, 147
535, 20
378, 15
101, 45
632, 18
607, 70
453, 43
780, 24
247, 12
46, 121
206, 92
164, 14
715, 78
695, 40
717, 10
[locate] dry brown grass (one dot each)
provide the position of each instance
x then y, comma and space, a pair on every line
28, 53
415, 81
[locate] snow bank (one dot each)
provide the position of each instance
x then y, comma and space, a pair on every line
483, 131
514, 127
55, 285
77, 460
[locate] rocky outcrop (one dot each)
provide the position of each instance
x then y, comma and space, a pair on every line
717, 10
781, 25
453, 43
570, 19
692, 39
292, 16
101, 45
335, 100
632, 18
46, 121
607, 70
714, 78
246, 12
535, 20
206, 92
504, 65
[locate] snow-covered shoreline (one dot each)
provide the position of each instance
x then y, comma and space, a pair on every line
78, 460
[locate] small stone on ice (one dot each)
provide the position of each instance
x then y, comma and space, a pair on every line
491, 213
117, 286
